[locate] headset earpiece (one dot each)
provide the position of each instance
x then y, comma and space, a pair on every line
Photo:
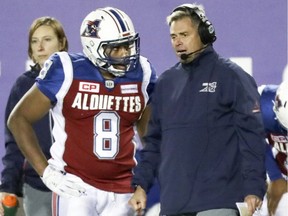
205, 29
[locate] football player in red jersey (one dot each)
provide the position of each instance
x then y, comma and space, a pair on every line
97, 101
275, 117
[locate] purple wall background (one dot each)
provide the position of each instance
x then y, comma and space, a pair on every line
256, 29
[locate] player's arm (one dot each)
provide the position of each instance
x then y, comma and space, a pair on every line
143, 122
272, 168
275, 191
32, 107
277, 185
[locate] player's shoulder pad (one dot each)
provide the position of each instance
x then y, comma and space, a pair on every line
146, 64
261, 88
268, 88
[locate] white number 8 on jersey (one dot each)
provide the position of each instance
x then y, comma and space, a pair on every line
106, 135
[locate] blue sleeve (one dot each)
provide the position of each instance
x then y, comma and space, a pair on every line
146, 170
51, 77
13, 160
272, 168
150, 88
252, 136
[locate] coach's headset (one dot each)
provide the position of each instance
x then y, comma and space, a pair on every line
205, 29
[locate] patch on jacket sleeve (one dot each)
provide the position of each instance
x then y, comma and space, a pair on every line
256, 108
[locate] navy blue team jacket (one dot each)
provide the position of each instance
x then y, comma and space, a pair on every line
205, 139
16, 169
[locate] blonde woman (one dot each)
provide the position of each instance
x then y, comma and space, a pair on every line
46, 36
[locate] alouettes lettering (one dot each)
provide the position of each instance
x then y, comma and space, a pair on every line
96, 101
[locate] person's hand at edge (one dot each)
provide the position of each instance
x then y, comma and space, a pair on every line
138, 200
2, 195
254, 203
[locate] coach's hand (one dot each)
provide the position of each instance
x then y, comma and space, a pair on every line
138, 200
62, 184
254, 203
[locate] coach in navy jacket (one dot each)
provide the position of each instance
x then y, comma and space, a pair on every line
205, 138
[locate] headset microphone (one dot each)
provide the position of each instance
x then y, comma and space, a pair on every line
185, 56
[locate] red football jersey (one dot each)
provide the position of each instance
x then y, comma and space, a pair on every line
94, 119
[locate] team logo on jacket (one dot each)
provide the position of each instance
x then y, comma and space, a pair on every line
129, 89
209, 87
89, 87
